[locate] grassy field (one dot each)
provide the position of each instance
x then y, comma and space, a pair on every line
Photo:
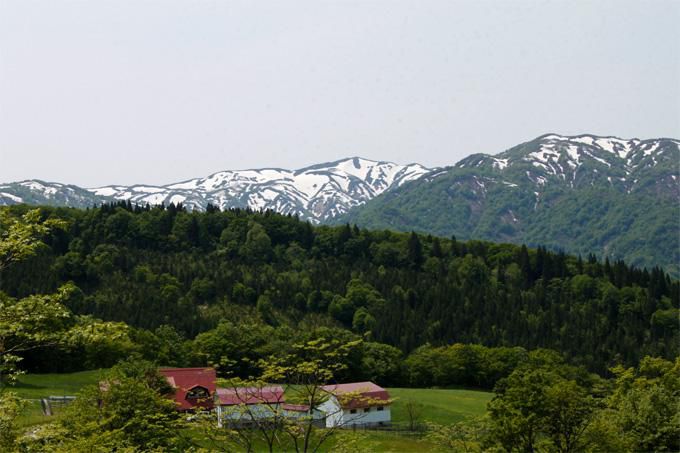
436, 405
44, 385
33, 387
440, 406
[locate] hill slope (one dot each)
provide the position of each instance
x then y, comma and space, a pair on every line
584, 194
194, 271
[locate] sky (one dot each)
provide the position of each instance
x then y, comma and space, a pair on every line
125, 92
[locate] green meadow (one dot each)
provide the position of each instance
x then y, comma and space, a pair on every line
439, 405
33, 387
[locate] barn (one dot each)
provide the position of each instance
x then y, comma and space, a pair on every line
356, 403
243, 405
194, 387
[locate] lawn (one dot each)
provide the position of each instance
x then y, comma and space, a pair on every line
438, 405
37, 386
33, 387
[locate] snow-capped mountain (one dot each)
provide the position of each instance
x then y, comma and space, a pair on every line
583, 194
584, 159
38, 192
316, 193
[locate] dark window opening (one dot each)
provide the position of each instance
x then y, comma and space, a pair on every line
198, 393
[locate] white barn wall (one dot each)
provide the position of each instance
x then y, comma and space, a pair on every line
334, 413
344, 417
373, 417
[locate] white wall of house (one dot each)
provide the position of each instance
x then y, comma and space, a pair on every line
336, 416
333, 412
367, 416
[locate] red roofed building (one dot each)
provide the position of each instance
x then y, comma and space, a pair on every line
250, 395
194, 387
296, 407
356, 403
245, 404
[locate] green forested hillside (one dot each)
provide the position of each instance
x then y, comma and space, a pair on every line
614, 198
175, 276
267, 299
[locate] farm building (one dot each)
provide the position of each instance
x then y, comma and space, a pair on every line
344, 405
244, 404
194, 387
295, 410
357, 403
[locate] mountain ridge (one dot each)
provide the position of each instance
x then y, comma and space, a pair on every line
614, 197
316, 192
611, 196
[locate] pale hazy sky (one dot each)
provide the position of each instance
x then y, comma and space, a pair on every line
103, 92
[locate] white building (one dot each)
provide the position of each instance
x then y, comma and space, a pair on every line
243, 405
357, 403
301, 411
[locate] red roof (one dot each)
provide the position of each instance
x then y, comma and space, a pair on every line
251, 395
296, 407
359, 394
185, 379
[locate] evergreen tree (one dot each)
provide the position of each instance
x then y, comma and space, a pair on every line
415, 251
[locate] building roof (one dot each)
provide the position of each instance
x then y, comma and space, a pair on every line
295, 407
185, 379
250, 395
358, 394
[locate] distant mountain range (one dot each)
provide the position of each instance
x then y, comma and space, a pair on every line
584, 194
317, 193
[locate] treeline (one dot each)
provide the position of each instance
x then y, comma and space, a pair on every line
175, 276
242, 348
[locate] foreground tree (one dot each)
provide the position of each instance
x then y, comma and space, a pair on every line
538, 407
127, 409
256, 414
20, 237
569, 413
643, 410
27, 324
312, 365
463, 436
34, 321
10, 408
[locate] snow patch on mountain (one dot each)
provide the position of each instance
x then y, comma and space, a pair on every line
578, 159
11, 197
316, 193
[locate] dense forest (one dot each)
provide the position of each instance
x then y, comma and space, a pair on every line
175, 276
